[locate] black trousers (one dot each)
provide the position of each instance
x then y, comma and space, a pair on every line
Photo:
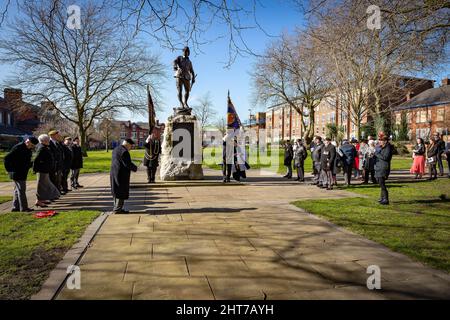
65, 176
440, 164
384, 192
151, 173
55, 178
348, 173
301, 171
226, 171
433, 171
74, 177
371, 173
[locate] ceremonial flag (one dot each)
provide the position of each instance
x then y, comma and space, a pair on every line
233, 121
151, 111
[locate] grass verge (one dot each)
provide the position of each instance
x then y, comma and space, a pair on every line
30, 248
417, 223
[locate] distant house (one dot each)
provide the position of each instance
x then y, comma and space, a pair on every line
427, 112
18, 118
138, 131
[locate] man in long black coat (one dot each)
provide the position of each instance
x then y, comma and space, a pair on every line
57, 151
383, 157
288, 156
327, 157
121, 167
152, 151
17, 164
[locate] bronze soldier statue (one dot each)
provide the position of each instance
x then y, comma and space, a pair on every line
184, 73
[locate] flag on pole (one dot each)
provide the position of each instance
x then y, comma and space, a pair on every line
233, 121
151, 111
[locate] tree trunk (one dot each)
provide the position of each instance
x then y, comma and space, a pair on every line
106, 144
83, 142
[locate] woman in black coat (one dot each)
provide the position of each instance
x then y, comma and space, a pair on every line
77, 163
121, 167
383, 157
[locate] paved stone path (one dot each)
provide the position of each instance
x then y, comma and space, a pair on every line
205, 240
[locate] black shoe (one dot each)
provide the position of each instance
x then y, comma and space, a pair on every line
15, 210
384, 202
63, 193
27, 210
80, 186
298, 179
285, 176
228, 180
121, 212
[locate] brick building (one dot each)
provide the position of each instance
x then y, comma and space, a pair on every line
331, 110
138, 131
427, 112
17, 117
282, 123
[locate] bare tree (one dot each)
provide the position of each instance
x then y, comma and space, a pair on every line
176, 23
365, 64
221, 125
85, 73
204, 111
108, 128
291, 72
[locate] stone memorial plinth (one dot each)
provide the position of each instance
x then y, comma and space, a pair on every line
181, 157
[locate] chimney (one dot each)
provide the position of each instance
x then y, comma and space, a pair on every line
445, 82
47, 106
13, 96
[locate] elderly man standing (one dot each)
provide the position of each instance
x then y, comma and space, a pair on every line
18, 163
121, 167
58, 159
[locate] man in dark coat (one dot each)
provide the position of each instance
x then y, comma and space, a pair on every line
348, 159
383, 157
288, 156
67, 163
77, 163
327, 157
57, 151
316, 154
152, 151
17, 164
121, 167
440, 151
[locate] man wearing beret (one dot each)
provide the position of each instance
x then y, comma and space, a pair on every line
17, 164
121, 167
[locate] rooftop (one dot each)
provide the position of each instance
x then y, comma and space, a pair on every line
428, 98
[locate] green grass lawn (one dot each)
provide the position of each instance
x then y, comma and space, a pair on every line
417, 223
30, 248
96, 161
4, 199
212, 157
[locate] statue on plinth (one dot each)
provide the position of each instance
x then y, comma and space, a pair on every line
185, 78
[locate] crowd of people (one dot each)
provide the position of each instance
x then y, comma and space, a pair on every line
363, 160
432, 154
56, 158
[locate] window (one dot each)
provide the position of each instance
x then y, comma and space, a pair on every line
9, 119
440, 114
1, 118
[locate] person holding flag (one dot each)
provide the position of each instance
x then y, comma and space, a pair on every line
233, 155
153, 143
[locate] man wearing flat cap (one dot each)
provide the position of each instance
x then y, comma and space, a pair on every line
17, 164
121, 167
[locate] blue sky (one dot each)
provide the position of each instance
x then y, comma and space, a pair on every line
274, 16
